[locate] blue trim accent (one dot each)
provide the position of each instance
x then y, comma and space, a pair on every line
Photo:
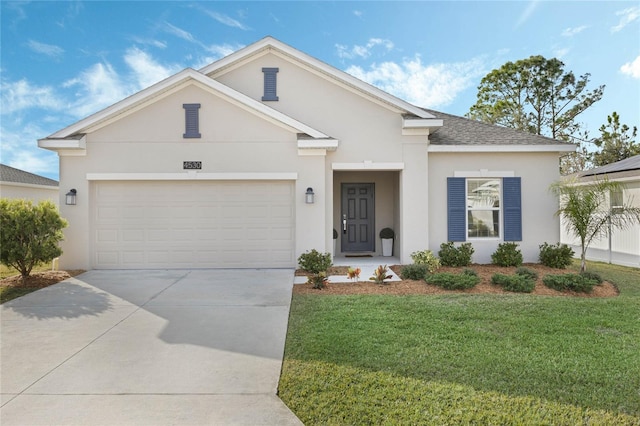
191, 121
512, 210
270, 84
456, 209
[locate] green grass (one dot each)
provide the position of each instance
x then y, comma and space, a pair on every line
466, 359
10, 293
6, 272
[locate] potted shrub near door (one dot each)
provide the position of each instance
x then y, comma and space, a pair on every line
387, 235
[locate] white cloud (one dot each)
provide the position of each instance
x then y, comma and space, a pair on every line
571, 31
150, 42
97, 87
146, 71
45, 49
527, 13
20, 149
226, 20
632, 68
358, 13
363, 51
21, 95
179, 32
423, 85
561, 52
627, 16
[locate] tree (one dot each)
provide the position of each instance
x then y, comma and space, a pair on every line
615, 142
586, 210
30, 234
536, 95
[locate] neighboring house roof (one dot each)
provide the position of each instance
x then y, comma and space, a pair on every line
463, 131
628, 164
12, 175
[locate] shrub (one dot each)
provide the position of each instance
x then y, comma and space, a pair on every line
318, 280
469, 271
507, 254
517, 283
314, 261
533, 275
30, 234
451, 255
556, 256
387, 233
573, 282
451, 281
380, 274
592, 276
425, 257
414, 272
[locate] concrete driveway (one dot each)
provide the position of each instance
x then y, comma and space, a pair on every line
147, 348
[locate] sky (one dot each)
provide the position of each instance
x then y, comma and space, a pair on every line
61, 61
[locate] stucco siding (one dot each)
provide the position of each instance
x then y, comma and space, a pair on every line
537, 171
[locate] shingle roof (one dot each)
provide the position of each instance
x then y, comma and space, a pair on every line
9, 174
631, 163
463, 131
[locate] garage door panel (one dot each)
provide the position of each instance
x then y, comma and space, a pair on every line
193, 224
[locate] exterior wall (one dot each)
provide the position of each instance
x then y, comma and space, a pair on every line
625, 244
35, 193
537, 171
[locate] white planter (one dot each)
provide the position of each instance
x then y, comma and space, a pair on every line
387, 246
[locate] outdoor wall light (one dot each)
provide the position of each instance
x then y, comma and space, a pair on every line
70, 198
308, 196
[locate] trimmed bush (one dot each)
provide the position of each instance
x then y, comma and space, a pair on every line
450, 255
507, 254
573, 282
516, 283
414, 272
425, 257
471, 272
318, 280
315, 262
525, 272
592, 276
451, 281
556, 256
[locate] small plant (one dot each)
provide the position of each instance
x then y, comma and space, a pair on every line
470, 272
507, 254
517, 283
525, 272
353, 274
450, 255
414, 272
425, 257
556, 256
314, 261
573, 282
380, 274
387, 233
451, 281
318, 280
592, 276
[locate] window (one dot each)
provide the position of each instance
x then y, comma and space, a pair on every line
616, 201
270, 84
484, 208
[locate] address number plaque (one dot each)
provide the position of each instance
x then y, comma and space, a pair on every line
192, 165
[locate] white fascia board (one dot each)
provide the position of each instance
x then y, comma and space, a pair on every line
421, 123
322, 67
502, 148
166, 85
484, 173
328, 144
53, 144
193, 175
368, 165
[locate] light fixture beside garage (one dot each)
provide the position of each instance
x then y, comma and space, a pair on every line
308, 196
70, 198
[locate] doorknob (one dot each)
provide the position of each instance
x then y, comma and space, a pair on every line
344, 223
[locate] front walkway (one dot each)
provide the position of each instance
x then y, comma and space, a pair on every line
147, 348
366, 264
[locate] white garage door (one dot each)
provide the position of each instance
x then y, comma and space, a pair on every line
211, 224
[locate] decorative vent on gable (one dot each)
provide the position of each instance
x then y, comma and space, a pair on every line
191, 121
270, 84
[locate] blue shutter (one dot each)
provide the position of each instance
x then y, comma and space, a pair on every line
270, 84
512, 208
191, 121
456, 209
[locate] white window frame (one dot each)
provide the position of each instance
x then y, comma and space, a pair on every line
470, 209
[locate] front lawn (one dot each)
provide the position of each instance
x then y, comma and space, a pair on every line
463, 358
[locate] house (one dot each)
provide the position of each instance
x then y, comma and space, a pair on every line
16, 183
259, 156
620, 247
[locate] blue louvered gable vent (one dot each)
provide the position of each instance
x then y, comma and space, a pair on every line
191, 121
511, 194
270, 84
456, 209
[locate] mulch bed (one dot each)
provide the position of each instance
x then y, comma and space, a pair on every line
485, 272
39, 279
